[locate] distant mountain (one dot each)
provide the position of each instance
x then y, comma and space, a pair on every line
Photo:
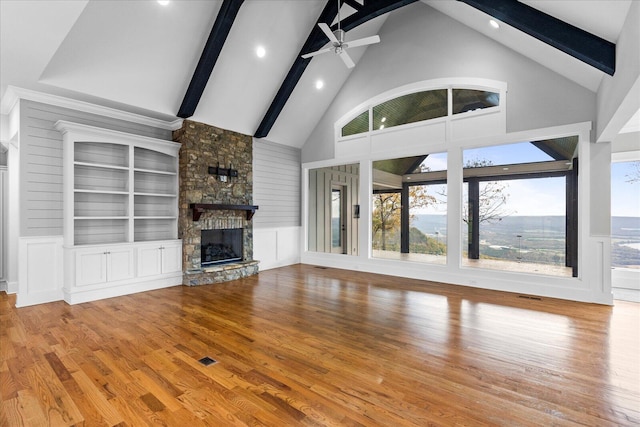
542, 235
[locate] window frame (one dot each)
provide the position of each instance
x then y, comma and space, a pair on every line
428, 85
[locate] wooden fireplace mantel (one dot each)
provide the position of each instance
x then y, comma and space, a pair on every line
199, 208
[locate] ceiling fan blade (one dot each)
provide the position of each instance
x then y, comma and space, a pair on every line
327, 31
364, 41
317, 52
346, 59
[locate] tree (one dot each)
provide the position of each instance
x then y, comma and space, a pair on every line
634, 175
386, 215
493, 197
387, 208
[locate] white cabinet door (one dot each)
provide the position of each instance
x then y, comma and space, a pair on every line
119, 264
102, 265
149, 260
91, 267
171, 258
160, 258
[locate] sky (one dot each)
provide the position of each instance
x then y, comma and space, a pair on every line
544, 196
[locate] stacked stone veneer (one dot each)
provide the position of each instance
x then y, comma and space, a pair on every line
204, 146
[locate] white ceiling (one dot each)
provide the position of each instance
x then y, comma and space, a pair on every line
139, 56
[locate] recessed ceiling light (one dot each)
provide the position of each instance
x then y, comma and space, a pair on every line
319, 84
384, 119
494, 23
163, 2
381, 127
261, 51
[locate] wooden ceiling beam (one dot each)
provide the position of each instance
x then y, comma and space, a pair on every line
371, 9
580, 44
210, 53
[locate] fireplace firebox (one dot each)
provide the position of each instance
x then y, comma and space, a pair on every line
221, 246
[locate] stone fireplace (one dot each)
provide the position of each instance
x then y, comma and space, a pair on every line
210, 201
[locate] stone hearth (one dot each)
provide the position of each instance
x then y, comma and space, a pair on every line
205, 146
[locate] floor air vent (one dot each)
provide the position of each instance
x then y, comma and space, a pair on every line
206, 361
530, 297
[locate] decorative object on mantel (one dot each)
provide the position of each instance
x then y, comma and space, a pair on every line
223, 173
199, 208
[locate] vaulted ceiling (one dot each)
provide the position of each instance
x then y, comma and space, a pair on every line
156, 60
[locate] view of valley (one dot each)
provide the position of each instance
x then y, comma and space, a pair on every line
532, 239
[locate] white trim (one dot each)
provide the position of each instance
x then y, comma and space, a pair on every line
79, 132
434, 84
592, 285
14, 94
126, 287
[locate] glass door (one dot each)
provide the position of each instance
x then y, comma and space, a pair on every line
338, 215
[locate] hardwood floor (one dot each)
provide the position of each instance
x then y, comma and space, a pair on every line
310, 346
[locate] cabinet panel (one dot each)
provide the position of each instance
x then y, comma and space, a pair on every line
171, 258
91, 267
149, 261
119, 264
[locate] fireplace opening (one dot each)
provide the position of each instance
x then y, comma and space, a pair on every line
220, 246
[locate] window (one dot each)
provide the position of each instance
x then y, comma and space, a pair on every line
358, 125
625, 215
411, 108
519, 209
470, 100
409, 212
420, 106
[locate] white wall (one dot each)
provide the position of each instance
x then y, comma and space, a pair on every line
420, 43
276, 191
619, 95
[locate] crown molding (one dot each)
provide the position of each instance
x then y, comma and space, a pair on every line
13, 94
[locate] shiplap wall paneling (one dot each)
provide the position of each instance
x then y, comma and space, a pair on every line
97, 231
41, 162
100, 204
146, 230
41, 180
155, 183
154, 206
153, 160
102, 154
276, 185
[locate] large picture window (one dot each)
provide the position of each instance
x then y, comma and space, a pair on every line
520, 207
409, 212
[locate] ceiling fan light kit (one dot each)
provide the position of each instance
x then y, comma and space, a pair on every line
339, 46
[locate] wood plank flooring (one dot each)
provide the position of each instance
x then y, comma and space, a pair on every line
310, 346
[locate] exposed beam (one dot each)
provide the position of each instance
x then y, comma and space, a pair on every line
315, 41
210, 53
580, 44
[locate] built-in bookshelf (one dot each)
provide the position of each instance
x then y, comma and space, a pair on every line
120, 212
125, 187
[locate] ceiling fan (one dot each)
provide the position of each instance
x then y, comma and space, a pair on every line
339, 44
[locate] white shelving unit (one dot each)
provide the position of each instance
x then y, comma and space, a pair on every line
120, 204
